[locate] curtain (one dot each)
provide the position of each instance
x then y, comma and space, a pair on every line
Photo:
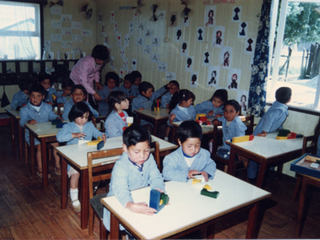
258, 84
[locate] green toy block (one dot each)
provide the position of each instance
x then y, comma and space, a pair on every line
205, 192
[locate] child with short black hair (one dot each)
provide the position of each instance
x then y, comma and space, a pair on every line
21, 98
189, 159
137, 80
116, 121
37, 111
136, 168
128, 81
46, 81
78, 94
78, 128
214, 106
111, 84
166, 98
67, 85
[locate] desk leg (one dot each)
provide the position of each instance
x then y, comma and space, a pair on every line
174, 134
13, 141
231, 166
252, 231
20, 140
301, 209
138, 119
155, 128
32, 153
114, 227
64, 184
84, 184
261, 173
44, 162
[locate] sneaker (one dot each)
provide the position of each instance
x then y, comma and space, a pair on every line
57, 171
40, 174
76, 206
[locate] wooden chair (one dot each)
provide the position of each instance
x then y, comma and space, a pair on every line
99, 122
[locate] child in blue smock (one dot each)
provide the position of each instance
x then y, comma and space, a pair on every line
116, 121
37, 111
111, 84
214, 106
135, 169
128, 81
46, 81
166, 98
271, 121
21, 98
232, 126
78, 128
136, 75
189, 159
78, 94
65, 97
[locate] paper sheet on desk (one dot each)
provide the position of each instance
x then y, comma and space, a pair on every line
80, 142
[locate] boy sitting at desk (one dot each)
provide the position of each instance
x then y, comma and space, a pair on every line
37, 111
21, 98
136, 168
270, 122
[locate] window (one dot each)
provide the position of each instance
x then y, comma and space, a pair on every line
295, 62
19, 30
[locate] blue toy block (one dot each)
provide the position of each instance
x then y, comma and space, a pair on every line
60, 124
56, 121
100, 145
158, 200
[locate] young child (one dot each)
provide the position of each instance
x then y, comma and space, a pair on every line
232, 126
189, 159
135, 169
46, 81
37, 111
21, 98
65, 97
136, 75
78, 128
271, 121
78, 94
116, 121
214, 106
316, 140
166, 98
126, 86
111, 84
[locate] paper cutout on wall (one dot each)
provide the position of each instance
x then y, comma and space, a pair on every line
56, 10
243, 28
121, 73
141, 26
126, 40
76, 38
131, 28
122, 52
162, 67
184, 49
134, 64
218, 34
100, 18
173, 19
236, 14
125, 64
140, 41
194, 79
189, 64
86, 33
56, 37
161, 14
66, 18
213, 76
115, 28
111, 63
250, 46
135, 17
55, 24
178, 34
206, 58
155, 58
148, 33
234, 77
66, 44
47, 46
102, 28
66, 31
76, 25
155, 41
147, 49
112, 16
242, 98
200, 34
225, 57
209, 16
170, 76
119, 40
185, 21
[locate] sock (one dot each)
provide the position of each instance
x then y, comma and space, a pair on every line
166, 138
74, 196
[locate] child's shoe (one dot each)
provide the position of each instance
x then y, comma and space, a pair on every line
57, 171
40, 174
76, 206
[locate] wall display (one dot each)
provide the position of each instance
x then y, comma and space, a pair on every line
77, 38
162, 67
122, 52
189, 64
234, 77
242, 98
209, 16
131, 28
100, 18
112, 17
148, 33
66, 18
194, 79
225, 57
147, 49
125, 64
250, 46
200, 34
155, 41
161, 14
56, 10
56, 37
66, 44
47, 46
76, 25
170, 76
121, 73
218, 36
126, 40
206, 58
141, 26
134, 64
66, 31
119, 40
243, 29
55, 24
115, 28
179, 34
140, 41
86, 32
155, 58
173, 19
184, 49
213, 76
236, 14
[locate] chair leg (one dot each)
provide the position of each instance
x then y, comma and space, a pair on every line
91, 219
103, 230
297, 187
26, 152
225, 168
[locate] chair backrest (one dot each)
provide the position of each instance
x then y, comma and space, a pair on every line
307, 146
248, 121
154, 146
98, 120
60, 106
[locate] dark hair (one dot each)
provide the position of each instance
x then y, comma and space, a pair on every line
179, 96
222, 94
37, 87
136, 74
100, 52
189, 129
174, 82
144, 86
67, 83
233, 103
25, 83
115, 97
44, 76
78, 86
77, 110
112, 75
283, 94
130, 78
135, 134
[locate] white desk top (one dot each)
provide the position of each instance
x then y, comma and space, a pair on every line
205, 128
187, 208
163, 113
269, 146
45, 129
77, 154
14, 113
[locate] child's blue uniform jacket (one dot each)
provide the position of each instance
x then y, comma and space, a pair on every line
49, 92
19, 99
318, 147
235, 129
62, 99
134, 90
126, 177
165, 99
68, 106
127, 91
273, 119
114, 124
181, 115
103, 105
207, 106
44, 115
175, 167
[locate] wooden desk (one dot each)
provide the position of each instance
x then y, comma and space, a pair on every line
76, 156
188, 210
15, 124
155, 117
268, 151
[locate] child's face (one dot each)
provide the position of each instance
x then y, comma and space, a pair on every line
230, 113
127, 84
78, 95
137, 81
46, 83
36, 98
217, 102
67, 91
98, 61
138, 153
82, 120
191, 146
26, 91
173, 89
148, 93
187, 103
111, 83
124, 105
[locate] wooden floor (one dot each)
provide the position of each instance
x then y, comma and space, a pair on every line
28, 211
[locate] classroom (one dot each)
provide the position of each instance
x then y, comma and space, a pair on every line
205, 45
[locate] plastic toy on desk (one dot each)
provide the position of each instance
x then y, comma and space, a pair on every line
156, 105
60, 124
158, 200
99, 142
56, 121
209, 193
242, 139
285, 134
200, 115
129, 121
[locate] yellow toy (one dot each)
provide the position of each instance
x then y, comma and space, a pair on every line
242, 139
95, 142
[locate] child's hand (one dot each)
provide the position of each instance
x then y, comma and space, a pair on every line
32, 122
97, 97
206, 176
78, 135
99, 86
140, 208
262, 134
60, 118
167, 106
211, 113
50, 103
106, 100
193, 172
141, 108
219, 115
169, 85
104, 138
172, 117
215, 122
